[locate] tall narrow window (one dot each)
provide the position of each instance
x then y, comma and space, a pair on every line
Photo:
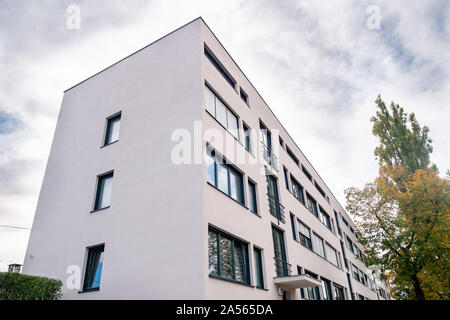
286, 179
94, 266
338, 292
331, 254
325, 218
312, 205
305, 236
228, 257
297, 190
318, 245
112, 130
243, 95
253, 205
103, 194
313, 292
247, 138
259, 268
294, 232
326, 286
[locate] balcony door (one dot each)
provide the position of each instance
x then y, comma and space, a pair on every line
279, 248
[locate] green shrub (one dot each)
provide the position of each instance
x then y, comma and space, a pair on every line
16, 286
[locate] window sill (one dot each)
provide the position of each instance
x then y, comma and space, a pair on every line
97, 210
105, 145
231, 280
89, 290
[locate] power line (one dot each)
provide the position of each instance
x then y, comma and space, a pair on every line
14, 227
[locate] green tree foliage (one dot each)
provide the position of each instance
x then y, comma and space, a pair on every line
402, 141
403, 216
406, 233
16, 286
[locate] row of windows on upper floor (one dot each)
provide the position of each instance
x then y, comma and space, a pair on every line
220, 112
228, 119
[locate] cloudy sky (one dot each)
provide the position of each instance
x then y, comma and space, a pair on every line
316, 63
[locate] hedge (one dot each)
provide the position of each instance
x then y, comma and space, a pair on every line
16, 286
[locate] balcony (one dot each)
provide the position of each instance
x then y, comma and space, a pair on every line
269, 156
276, 209
282, 268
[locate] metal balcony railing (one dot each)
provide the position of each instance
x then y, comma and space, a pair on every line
269, 156
282, 268
276, 208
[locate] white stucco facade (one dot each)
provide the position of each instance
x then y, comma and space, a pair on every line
155, 230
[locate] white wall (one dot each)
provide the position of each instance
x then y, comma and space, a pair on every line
153, 229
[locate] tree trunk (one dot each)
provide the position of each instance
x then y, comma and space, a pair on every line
417, 288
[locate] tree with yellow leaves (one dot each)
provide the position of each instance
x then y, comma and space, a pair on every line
403, 216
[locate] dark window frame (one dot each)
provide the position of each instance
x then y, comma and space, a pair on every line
250, 200
243, 95
229, 167
259, 270
91, 267
99, 189
108, 131
233, 241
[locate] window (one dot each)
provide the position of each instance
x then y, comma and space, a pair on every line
337, 223
281, 264
331, 254
286, 179
259, 268
306, 172
94, 266
326, 286
297, 190
221, 112
350, 244
228, 257
338, 292
247, 138
345, 221
219, 67
325, 218
243, 95
363, 279
292, 156
313, 292
320, 189
252, 197
103, 194
294, 233
224, 177
318, 245
305, 236
355, 273
112, 130
311, 205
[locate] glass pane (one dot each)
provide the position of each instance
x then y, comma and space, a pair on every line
239, 262
252, 197
210, 171
236, 187
221, 113
233, 124
212, 252
114, 127
222, 177
247, 139
226, 269
209, 101
98, 273
106, 191
318, 245
258, 266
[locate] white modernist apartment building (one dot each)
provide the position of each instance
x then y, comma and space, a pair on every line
170, 178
